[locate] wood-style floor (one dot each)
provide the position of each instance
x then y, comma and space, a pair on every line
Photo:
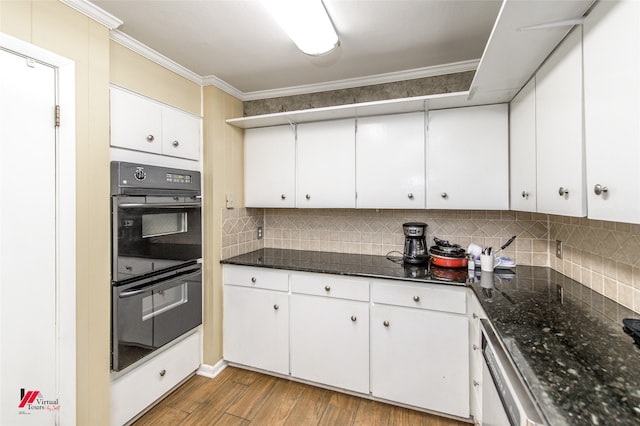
241, 397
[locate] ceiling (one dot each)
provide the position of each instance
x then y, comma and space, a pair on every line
238, 42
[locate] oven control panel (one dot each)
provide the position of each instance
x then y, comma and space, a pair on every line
135, 178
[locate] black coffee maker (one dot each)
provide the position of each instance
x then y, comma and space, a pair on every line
415, 243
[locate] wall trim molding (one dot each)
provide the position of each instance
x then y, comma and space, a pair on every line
212, 371
94, 12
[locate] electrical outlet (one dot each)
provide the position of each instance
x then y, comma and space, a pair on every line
230, 203
259, 232
559, 249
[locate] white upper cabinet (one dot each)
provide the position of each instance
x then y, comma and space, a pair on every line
467, 158
522, 149
270, 166
390, 162
142, 124
326, 164
612, 109
559, 135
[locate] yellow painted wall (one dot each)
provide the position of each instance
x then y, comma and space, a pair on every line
223, 157
137, 73
53, 26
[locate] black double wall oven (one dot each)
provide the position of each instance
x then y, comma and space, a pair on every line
156, 258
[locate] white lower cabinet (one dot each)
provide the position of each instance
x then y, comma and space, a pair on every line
256, 328
141, 387
419, 356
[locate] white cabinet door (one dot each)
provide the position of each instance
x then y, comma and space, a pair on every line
560, 145
612, 108
326, 164
420, 357
256, 328
522, 149
390, 162
180, 134
270, 167
330, 341
136, 123
467, 158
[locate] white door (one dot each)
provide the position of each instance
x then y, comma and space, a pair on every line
559, 130
326, 164
390, 162
468, 158
28, 352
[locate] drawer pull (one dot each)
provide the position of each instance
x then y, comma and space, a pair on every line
353, 318
476, 347
476, 383
163, 372
416, 298
276, 307
128, 268
150, 138
475, 316
385, 323
327, 288
254, 279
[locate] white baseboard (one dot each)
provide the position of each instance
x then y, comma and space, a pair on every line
211, 371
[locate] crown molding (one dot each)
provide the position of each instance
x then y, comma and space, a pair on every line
391, 77
144, 50
212, 80
94, 12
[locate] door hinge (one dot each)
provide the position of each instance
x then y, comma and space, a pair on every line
57, 115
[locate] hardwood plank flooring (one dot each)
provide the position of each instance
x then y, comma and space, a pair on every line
246, 398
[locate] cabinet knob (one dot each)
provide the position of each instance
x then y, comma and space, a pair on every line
128, 268
150, 138
283, 196
476, 383
276, 307
327, 288
308, 196
525, 195
254, 279
599, 189
476, 347
385, 323
163, 372
175, 144
353, 318
410, 195
563, 191
475, 316
444, 195
416, 298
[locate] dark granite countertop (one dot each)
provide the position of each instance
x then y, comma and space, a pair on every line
566, 340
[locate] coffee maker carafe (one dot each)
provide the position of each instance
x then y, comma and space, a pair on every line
415, 243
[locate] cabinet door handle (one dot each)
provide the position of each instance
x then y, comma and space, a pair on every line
175, 144
353, 318
525, 195
276, 307
563, 191
416, 298
254, 279
308, 196
283, 196
163, 372
150, 138
599, 189
476, 383
385, 323
327, 288
475, 316
444, 195
476, 347
410, 195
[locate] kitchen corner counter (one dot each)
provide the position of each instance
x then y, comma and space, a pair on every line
567, 342
564, 338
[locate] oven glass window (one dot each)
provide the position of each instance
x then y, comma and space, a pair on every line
154, 225
162, 301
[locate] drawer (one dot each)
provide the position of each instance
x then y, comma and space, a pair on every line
141, 387
436, 297
269, 279
337, 286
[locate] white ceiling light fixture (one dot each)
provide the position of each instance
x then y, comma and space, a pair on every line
307, 23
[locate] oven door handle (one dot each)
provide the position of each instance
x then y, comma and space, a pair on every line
163, 205
152, 286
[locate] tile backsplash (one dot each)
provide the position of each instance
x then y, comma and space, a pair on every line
604, 256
